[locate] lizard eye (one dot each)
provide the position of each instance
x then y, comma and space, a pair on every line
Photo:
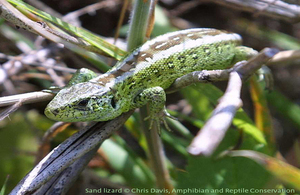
83, 103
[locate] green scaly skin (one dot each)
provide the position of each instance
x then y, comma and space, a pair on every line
142, 76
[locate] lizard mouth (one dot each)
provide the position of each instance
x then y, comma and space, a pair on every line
57, 115
51, 114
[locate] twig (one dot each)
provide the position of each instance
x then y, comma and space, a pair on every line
41, 57
54, 67
121, 20
9, 110
272, 8
284, 57
256, 63
156, 155
215, 128
60, 183
25, 98
70, 151
91, 8
204, 76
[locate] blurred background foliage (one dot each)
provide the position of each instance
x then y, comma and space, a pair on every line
122, 160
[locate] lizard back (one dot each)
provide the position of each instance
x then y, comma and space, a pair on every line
161, 60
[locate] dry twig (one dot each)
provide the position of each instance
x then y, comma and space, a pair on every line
215, 128
61, 166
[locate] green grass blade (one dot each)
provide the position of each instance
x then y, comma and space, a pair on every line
93, 39
217, 176
128, 164
283, 171
2, 191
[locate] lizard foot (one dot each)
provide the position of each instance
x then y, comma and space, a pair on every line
158, 118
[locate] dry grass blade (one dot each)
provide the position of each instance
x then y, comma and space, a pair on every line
70, 151
10, 110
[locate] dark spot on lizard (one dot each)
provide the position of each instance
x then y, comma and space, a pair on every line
55, 112
170, 64
206, 50
181, 59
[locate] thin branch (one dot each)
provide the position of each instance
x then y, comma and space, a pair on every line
215, 128
60, 183
284, 57
121, 20
70, 151
10, 110
205, 76
272, 8
41, 57
256, 63
25, 98
90, 8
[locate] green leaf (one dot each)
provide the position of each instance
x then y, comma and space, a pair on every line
17, 141
128, 164
283, 171
218, 176
200, 102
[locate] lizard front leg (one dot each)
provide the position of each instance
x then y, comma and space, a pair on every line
156, 97
82, 75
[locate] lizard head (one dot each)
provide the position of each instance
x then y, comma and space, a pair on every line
83, 102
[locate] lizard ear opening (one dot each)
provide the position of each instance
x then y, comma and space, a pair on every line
113, 103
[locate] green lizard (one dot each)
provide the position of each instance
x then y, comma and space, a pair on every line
143, 75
